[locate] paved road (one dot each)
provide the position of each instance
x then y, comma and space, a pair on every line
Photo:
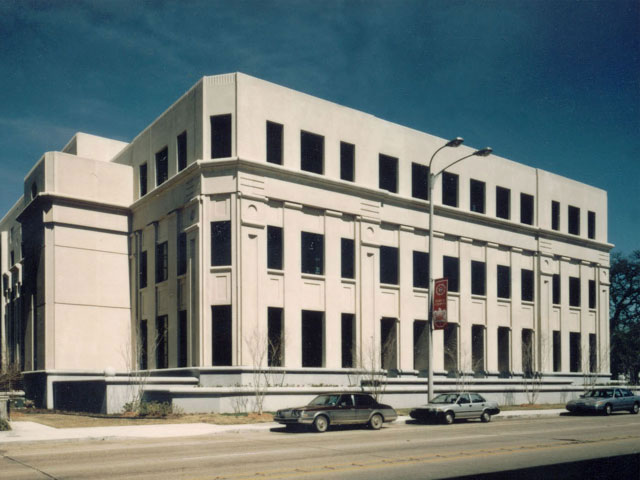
397, 451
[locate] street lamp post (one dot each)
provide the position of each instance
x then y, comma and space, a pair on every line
456, 142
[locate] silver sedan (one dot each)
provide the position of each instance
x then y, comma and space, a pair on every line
450, 406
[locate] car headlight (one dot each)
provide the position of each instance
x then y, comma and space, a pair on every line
600, 403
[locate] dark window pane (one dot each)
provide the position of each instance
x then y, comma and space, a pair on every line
527, 285
592, 294
591, 224
143, 340
420, 345
450, 189
275, 337
312, 338
476, 193
312, 253
421, 269
451, 271
182, 253
143, 269
221, 136
347, 247
574, 220
556, 289
388, 173
504, 281
162, 347
574, 291
593, 356
389, 343
311, 152
575, 352
557, 351
503, 203
181, 144
274, 143
348, 340
347, 161
221, 335
526, 209
162, 166
478, 278
182, 338
555, 215
143, 180
528, 353
220, 243
389, 265
274, 247
162, 262
419, 181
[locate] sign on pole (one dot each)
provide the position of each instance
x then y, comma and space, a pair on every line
440, 287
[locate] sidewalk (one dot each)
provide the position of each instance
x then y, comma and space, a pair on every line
36, 432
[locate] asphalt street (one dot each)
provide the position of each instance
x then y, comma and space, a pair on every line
400, 451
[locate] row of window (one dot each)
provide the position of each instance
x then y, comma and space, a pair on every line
312, 160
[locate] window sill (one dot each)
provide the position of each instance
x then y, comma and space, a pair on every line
220, 268
389, 286
312, 276
420, 290
504, 300
574, 308
350, 281
475, 296
274, 271
528, 302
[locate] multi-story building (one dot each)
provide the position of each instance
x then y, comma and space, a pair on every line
254, 224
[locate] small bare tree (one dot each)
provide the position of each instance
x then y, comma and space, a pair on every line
592, 367
531, 378
136, 354
374, 376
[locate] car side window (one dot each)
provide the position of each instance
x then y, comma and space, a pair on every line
627, 393
364, 400
346, 401
475, 398
463, 399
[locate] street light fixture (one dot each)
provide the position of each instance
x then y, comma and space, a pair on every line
456, 142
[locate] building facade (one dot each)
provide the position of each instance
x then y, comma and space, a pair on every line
251, 225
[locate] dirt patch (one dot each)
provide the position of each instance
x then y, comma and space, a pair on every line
77, 420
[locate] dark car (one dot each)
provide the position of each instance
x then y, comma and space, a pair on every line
605, 400
338, 409
449, 406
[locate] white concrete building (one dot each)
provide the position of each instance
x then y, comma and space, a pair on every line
253, 224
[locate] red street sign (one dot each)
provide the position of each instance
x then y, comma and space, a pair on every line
440, 287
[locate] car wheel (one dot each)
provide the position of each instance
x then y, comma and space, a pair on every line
607, 409
375, 422
485, 417
320, 424
635, 408
448, 418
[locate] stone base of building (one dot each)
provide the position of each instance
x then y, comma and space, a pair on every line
240, 389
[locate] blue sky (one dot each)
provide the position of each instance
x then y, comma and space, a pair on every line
552, 84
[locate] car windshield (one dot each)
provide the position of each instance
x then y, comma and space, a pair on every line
325, 400
445, 398
599, 394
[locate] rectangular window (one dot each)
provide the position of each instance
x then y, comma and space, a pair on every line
574, 291
478, 278
221, 136
312, 254
557, 351
388, 173
477, 349
503, 203
275, 320
591, 224
162, 166
182, 338
592, 294
347, 161
274, 247
527, 285
162, 350
575, 352
143, 180
593, 353
450, 350
143, 269
419, 181
221, 335
389, 343
420, 345
347, 263
274, 142
528, 363
449, 189
389, 265
420, 269
504, 281
574, 220
555, 215
143, 339
556, 289
181, 149
182, 253
162, 262
504, 347
220, 243
312, 338
451, 271
526, 209
476, 194
311, 152
348, 340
